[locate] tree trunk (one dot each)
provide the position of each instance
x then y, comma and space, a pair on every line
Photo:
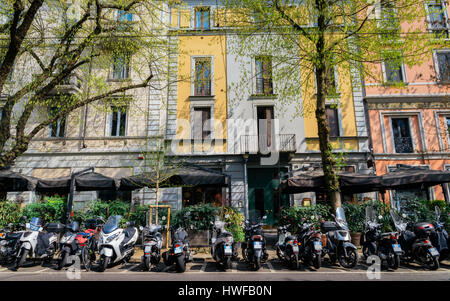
328, 160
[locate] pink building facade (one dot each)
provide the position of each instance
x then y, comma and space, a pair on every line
411, 124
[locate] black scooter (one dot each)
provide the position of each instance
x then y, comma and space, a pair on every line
9, 242
417, 245
179, 252
383, 245
254, 248
287, 247
439, 236
310, 244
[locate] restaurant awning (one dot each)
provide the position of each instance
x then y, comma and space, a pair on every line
13, 182
61, 185
314, 181
175, 177
90, 181
405, 177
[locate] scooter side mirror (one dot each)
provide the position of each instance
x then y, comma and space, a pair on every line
141, 228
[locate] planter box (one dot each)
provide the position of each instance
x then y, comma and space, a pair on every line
356, 238
199, 238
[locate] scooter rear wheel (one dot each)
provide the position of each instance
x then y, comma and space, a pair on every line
293, 262
393, 260
257, 263
317, 261
147, 263
181, 264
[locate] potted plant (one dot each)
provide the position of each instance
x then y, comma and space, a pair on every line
355, 215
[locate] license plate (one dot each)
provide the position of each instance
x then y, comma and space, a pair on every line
178, 250
147, 249
295, 249
396, 248
318, 245
228, 250
433, 251
257, 245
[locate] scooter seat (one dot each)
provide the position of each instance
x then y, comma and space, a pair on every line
129, 232
13, 235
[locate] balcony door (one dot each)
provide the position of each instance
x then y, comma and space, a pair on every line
265, 125
402, 135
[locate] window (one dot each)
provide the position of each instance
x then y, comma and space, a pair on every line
57, 128
265, 119
202, 129
202, 18
118, 121
438, 21
202, 77
448, 127
332, 121
402, 135
264, 75
124, 16
443, 66
393, 68
121, 66
389, 22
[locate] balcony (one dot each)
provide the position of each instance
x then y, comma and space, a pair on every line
69, 85
281, 143
403, 145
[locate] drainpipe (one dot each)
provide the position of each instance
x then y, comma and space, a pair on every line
245, 186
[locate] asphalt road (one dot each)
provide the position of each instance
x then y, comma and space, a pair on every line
204, 269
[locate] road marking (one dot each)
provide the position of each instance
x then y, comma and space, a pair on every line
129, 269
270, 267
40, 271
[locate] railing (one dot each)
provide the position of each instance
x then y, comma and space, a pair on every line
263, 143
264, 86
403, 145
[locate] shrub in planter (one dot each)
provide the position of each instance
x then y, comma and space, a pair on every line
355, 216
235, 220
199, 219
313, 214
50, 210
10, 212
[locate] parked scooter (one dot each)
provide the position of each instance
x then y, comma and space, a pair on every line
383, 245
152, 243
9, 242
338, 245
417, 245
287, 247
68, 245
221, 244
116, 244
439, 237
179, 252
310, 244
254, 248
37, 243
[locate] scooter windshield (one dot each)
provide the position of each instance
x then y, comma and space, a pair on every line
112, 224
340, 218
398, 222
35, 223
370, 214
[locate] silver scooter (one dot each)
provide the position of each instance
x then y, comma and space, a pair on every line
37, 243
221, 245
152, 241
116, 244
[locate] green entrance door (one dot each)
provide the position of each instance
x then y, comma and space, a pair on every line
263, 192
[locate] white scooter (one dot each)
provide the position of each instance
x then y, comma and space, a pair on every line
38, 243
116, 244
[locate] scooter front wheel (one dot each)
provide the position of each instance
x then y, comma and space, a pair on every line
104, 262
62, 260
21, 260
350, 260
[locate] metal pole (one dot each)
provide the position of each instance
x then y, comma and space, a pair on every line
72, 189
245, 188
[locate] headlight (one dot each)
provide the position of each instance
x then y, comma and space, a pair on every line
3, 242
